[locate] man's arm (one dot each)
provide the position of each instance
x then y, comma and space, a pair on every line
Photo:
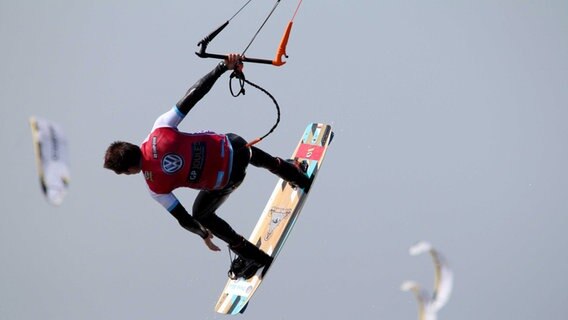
189, 223
203, 85
173, 117
200, 89
186, 220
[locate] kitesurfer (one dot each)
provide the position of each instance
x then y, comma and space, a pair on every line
215, 164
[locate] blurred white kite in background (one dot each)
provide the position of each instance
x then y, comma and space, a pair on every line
428, 305
52, 158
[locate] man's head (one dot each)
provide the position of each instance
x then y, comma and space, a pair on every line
123, 158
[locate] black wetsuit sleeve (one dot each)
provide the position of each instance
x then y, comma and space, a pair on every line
187, 221
200, 88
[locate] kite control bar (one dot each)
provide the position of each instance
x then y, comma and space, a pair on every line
281, 51
277, 61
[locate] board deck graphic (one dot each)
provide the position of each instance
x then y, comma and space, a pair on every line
278, 218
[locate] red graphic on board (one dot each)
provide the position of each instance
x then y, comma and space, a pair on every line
310, 151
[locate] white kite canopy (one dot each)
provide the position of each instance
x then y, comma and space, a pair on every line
429, 304
52, 158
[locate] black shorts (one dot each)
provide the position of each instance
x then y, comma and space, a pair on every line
241, 159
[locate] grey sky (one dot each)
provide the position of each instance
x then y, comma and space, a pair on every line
450, 121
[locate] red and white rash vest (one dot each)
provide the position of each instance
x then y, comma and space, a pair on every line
173, 159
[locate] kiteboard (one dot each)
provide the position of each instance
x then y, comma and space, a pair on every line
278, 218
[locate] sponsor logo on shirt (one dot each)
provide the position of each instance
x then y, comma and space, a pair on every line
197, 161
148, 175
172, 163
155, 147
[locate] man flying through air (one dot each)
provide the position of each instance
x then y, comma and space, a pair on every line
215, 164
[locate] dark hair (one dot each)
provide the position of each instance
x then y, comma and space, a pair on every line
120, 156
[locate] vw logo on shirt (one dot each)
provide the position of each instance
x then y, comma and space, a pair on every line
172, 163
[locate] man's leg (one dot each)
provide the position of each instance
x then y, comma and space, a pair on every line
289, 170
207, 202
204, 207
